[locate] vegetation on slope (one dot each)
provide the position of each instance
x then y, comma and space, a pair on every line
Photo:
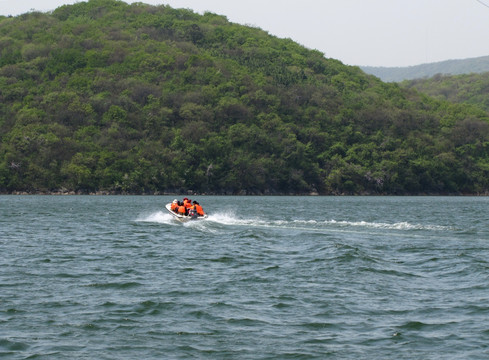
102, 95
469, 88
448, 67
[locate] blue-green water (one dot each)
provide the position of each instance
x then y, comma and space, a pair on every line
115, 277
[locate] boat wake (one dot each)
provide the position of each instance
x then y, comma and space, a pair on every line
394, 226
231, 219
159, 217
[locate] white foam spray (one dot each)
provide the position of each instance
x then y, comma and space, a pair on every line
157, 217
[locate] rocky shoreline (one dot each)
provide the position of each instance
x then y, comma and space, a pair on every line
65, 192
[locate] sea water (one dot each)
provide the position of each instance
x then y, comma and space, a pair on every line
116, 277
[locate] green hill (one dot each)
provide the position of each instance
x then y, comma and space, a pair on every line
449, 67
106, 96
468, 89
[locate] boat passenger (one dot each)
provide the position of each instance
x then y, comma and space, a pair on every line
174, 205
199, 209
181, 209
187, 203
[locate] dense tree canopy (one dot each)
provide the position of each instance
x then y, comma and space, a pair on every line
106, 96
468, 88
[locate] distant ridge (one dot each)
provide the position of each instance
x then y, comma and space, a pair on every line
449, 67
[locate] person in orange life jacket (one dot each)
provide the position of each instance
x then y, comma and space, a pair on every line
187, 203
181, 209
198, 208
174, 205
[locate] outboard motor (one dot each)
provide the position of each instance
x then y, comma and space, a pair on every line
193, 213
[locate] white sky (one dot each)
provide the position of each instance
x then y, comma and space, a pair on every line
356, 32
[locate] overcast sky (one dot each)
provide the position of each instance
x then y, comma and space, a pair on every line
356, 32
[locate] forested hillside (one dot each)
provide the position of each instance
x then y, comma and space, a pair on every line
106, 96
449, 67
469, 89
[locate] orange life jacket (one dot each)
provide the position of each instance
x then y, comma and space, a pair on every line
187, 203
174, 206
199, 209
181, 210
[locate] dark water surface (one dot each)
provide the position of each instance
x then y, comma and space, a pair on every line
115, 277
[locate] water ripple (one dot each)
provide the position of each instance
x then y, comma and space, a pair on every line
117, 277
